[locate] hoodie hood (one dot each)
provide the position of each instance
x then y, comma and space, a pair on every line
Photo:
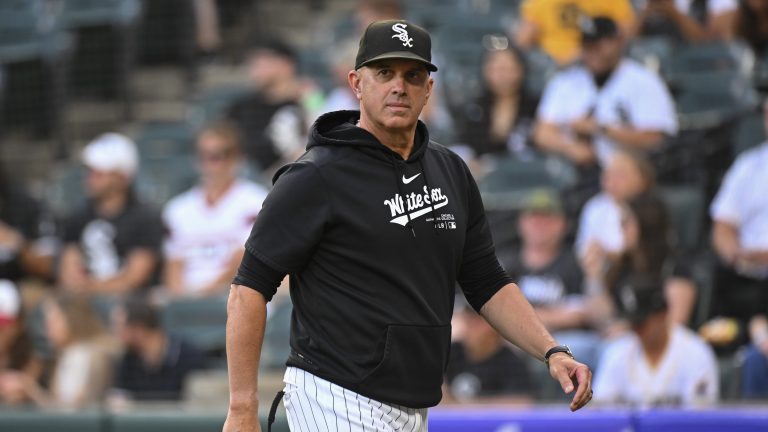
339, 128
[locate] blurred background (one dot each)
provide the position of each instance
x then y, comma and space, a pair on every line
610, 140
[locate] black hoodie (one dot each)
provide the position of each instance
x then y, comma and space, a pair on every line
374, 246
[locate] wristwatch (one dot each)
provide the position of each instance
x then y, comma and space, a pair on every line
558, 349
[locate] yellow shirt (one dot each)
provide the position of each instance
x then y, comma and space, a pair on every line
557, 22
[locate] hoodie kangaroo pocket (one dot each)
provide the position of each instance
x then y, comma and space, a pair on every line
411, 369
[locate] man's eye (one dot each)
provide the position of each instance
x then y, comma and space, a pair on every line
384, 72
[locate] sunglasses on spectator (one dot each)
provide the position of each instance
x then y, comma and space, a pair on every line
218, 156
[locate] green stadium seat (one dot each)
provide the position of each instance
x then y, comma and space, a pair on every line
210, 105
161, 179
748, 132
505, 187
21, 420
64, 190
159, 140
202, 322
80, 13
686, 209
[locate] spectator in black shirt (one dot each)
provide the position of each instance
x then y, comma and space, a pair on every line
550, 276
271, 117
499, 122
155, 364
26, 235
112, 245
481, 367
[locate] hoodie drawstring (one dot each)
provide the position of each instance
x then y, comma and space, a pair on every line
398, 173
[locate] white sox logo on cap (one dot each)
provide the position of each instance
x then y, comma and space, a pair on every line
402, 34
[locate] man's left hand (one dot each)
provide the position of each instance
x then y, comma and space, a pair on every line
568, 372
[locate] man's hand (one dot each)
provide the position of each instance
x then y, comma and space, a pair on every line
585, 126
568, 372
242, 421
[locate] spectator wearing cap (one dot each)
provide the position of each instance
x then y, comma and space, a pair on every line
271, 116
657, 364
111, 246
687, 20
550, 276
155, 364
553, 25
206, 226
608, 103
18, 361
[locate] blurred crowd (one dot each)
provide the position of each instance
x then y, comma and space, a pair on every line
611, 141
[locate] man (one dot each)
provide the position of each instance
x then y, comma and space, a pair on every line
27, 235
553, 25
155, 364
112, 245
589, 111
659, 364
207, 225
375, 224
271, 117
549, 274
740, 239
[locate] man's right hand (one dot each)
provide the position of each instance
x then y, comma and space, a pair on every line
242, 422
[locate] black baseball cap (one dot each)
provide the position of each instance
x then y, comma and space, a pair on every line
639, 297
596, 28
395, 39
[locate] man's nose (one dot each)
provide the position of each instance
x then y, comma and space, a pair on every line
398, 84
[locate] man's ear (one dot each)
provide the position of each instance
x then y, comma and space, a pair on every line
354, 83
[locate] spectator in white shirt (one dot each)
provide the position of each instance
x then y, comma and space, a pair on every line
208, 225
626, 176
607, 103
657, 364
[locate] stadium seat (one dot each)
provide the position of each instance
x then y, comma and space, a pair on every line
168, 421
64, 189
23, 420
106, 50
655, 53
34, 56
706, 100
686, 209
711, 57
506, 186
161, 179
200, 321
748, 132
210, 105
161, 140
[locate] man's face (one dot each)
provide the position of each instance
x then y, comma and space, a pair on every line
103, 183
392, 92
217, 158
265, 68
542, 228
602, 55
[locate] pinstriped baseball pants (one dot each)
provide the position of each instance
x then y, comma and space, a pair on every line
313, 404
